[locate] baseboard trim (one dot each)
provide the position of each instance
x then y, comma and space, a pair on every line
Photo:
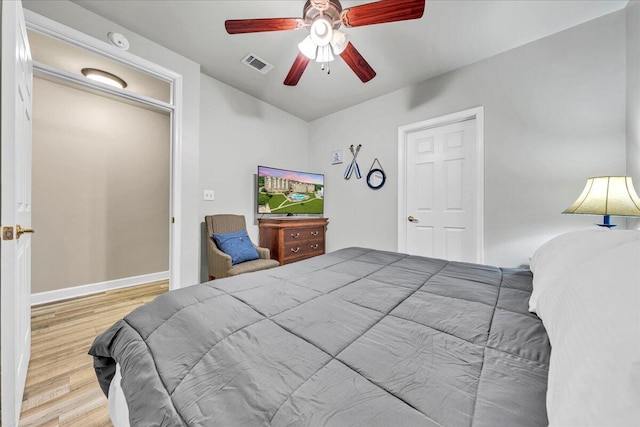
79, 291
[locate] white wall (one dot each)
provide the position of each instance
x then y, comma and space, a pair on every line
633, 97
187, 212
554, 115
237, 133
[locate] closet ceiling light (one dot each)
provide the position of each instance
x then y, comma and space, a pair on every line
104, 77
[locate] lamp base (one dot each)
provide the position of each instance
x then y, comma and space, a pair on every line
607, 222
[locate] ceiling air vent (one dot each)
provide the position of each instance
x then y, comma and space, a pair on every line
258, 64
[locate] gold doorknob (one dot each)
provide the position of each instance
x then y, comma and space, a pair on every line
412, 219
20, 231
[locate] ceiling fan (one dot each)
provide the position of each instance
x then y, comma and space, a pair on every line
323, 18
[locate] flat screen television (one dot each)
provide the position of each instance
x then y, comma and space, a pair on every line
288, 192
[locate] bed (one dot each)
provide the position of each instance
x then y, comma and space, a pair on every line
356, 337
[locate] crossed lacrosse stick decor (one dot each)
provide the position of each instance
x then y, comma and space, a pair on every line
354, 163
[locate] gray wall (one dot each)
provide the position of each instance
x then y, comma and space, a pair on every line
633, 97
554, 115
100, 188
239, 132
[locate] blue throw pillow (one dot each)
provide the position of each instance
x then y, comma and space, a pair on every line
237, 245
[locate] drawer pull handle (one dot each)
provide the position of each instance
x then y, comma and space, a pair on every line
295, 236
296, 250
314, 233
314, 246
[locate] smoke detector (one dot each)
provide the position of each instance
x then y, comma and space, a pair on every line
258, 64
118, 40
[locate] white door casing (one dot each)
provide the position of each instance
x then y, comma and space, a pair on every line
15, 273
441, 187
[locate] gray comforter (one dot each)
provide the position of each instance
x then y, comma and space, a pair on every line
356, 337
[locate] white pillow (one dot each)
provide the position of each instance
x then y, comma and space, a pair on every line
563, 252
591, 311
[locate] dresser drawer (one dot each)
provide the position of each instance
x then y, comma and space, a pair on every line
293, 239
303, 249
302, 234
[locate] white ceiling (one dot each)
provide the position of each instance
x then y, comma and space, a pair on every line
451, 34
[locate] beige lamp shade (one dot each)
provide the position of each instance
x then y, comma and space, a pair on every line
607, 195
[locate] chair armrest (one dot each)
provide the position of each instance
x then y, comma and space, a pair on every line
219, 263
264, 253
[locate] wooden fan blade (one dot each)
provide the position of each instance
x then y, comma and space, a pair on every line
357, 63
298, 67
382, 11
241, 26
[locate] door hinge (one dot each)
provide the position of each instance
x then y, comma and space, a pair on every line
173, 220
7, 233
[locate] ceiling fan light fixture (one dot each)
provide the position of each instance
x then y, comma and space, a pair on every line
339, 42
308, 48
321, 31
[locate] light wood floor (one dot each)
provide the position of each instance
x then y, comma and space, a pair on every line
62, 389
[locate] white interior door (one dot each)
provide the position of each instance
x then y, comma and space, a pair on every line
441, 215
15, 209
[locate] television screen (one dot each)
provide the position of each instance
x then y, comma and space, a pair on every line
288, 192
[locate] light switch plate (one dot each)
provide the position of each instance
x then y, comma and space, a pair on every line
209, 195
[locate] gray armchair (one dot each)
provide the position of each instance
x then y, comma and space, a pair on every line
219, 263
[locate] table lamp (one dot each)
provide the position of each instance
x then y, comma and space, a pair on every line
607, 195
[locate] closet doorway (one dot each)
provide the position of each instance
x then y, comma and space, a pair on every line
102, 172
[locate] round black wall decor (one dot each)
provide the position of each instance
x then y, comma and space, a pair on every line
376, 177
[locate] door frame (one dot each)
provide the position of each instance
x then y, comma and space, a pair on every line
59, 31
476, 113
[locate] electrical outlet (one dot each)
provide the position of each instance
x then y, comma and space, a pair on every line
209, 195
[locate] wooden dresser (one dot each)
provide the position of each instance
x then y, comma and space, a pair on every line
293, 239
